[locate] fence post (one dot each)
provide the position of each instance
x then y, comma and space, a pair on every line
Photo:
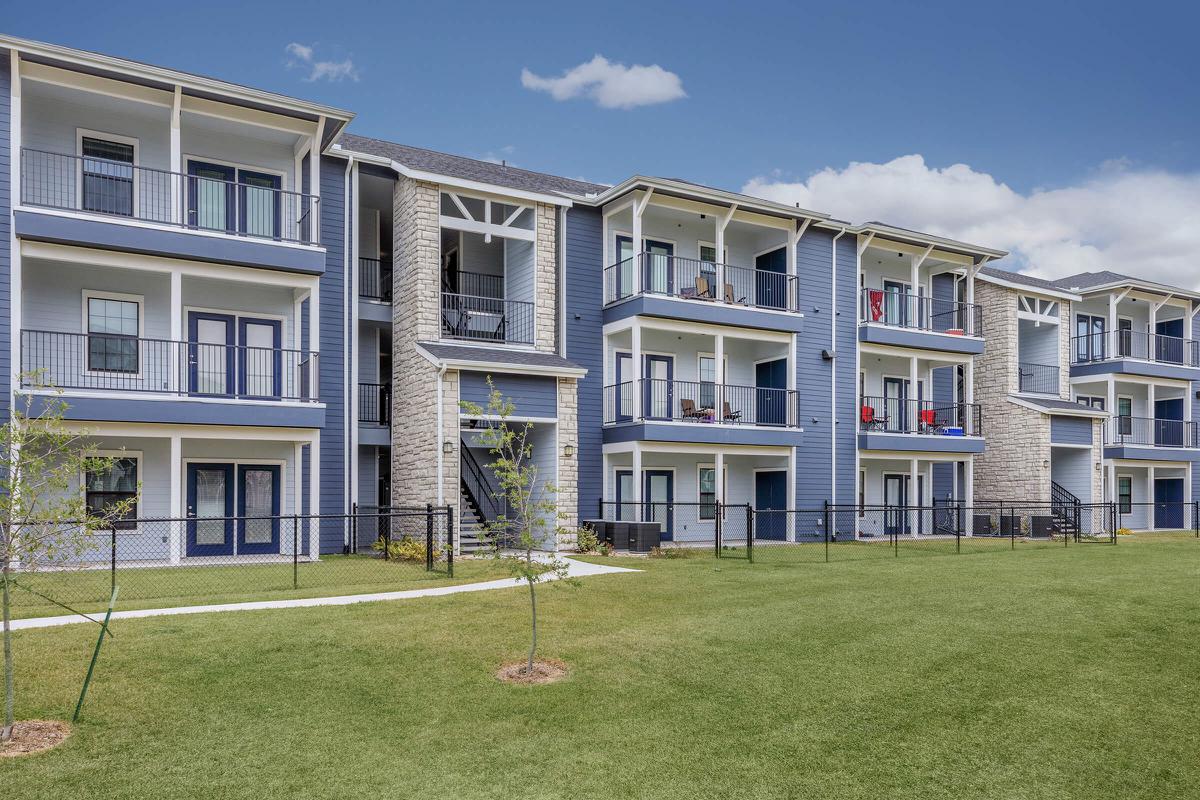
429, 537
1012, 529
450, 541
717, 530
826, 523
749, 534
112, 587
957, 538
295, 551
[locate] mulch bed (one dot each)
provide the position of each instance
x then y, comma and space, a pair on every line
35, 736
545, 670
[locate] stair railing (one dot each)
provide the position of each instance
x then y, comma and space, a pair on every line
478, 488
1065, 505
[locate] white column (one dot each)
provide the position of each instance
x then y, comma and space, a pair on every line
177, 193
719, 240
637, 481
314, 340
176, 510
606, 488
1110, 328
314, 155
1150, 398
719, 464
969, 382
909, 414
913, 499
1150, 494
636, 246
915, 312
178, 381
314, 495
791, 494
719, 377
14, 280
969, 491
635, 356
1111, 497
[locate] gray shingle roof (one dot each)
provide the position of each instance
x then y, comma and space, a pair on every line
1050, 405
1017, 277
1086, 280
497, 355
468, 168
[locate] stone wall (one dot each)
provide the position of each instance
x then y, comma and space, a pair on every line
568, 468
545, 284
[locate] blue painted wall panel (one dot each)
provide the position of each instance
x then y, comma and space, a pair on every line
5, 230
332, 347
531, 395
1070, 430
584, 272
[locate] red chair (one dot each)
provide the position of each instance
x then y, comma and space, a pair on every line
928, 419
870, 421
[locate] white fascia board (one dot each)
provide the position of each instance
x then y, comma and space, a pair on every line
149, 72
1060, 294
1148, 287
743, 202
924, 239
1057, 412
472, 365
452, 181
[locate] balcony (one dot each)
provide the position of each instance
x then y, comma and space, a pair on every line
375, 403
715, 292
1140, 437
234, 384
251, 213
1135, 353
892, 423
375, 280
487, 319
900, 318
1037, 378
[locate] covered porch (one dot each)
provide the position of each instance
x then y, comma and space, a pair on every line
1150, 496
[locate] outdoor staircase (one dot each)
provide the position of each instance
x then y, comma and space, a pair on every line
471, 535
1066, 508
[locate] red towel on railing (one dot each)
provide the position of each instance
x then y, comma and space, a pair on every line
875, 298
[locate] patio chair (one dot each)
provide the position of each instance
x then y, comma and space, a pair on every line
729, 415
927, 420
689, 410
870, 421
703, 289
729, 295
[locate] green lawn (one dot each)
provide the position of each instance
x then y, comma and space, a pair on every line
160, 587
1049, 673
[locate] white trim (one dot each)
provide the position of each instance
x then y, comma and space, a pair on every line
108, 453
137, 299
85, 133
188, 158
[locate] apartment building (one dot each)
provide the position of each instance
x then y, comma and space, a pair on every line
257, 313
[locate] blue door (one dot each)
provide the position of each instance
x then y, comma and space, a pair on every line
211, 196
211, 354
210, 509
659, 497
895, 501
658, 389
770, 392
1168, 423
258, 509
622, 397
1168, 503
770, 505
258, 203
770, 280
1168, 344
260, 360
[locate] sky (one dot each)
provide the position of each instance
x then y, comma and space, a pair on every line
1066, 133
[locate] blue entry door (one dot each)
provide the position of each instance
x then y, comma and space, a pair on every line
260, 360
210, 493
770, 392
770, 279
659, 497
211, 193
622, 398
770, 505
1169, 344
258, 508
895, 500
258, 203
211, 353
1168, 503
658, 392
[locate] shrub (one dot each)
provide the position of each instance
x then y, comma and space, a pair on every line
586, 540
1123, 531
405, 549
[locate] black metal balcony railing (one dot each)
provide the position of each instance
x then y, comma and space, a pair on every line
1138, 345
113, 363
1037, 378
120, 189
375, 279
904, 310
475, 284
1151, 432
701, 402
487, 319
375, 403
927, 417
693, 279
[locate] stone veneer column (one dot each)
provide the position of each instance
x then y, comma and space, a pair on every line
1017, 438
1097, 459
545, 285
1064, 349
568, 468
416, 254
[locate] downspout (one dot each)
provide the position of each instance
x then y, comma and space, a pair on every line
350, 372
833, 327
441, 459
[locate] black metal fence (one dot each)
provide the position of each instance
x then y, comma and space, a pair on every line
201, 560
375, 403
1162, 515
487, 319
853, 532
375, 279
1037, 378
903, 310
697, 279
1151, 432
926, 417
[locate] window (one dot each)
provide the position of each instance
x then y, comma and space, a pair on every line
708, 382
1089, 338
708, 492
1091, 401
1125, 415
113, 324
116, 482
107, 172
1125, 494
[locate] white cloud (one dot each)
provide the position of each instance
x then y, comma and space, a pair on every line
610, 85
1136, 221
303, 57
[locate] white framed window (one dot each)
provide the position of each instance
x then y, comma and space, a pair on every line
113, 326
105, 177
1125, 494
116, 482
706, 489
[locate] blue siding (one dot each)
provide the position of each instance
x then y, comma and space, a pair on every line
943, 481
5, 231
1070, 430
583, 236
333, 311
531, 395
814, 261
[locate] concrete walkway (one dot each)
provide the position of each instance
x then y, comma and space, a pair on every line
575, 569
